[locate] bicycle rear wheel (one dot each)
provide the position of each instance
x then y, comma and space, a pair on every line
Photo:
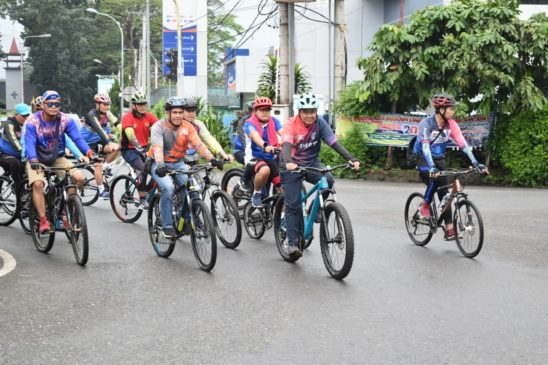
468, 226
280, 232
337, 241
77, 231
9, 204
231, 184
202, 236
254, 221
227, 220
42, 241
162, 246
90, 193
419, 230
124, 199
25, 202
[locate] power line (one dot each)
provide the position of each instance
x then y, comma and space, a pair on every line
226, 15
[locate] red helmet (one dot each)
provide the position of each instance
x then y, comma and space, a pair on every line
102, 98
443, 101
262, 102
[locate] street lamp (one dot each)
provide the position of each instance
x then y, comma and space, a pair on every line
45, 35
94, 11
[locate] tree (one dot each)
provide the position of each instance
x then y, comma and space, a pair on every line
222, 28
267, 79
478, 50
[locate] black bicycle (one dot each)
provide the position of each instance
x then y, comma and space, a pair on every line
65, 213
190, 216
467, 220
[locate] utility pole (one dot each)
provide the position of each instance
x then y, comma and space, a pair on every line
291, 53
147, 51
180, 70
340, 29
283, 57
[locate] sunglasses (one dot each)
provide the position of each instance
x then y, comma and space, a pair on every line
51, 105
190, 110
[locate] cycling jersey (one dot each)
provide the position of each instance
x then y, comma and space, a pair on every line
141, 127
96, 127
251, 148
306, 141
9, 143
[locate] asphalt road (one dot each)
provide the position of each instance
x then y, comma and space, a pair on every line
401, 304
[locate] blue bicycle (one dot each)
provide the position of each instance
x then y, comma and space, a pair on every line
336, 235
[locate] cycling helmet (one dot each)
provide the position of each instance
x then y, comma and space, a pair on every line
308, 101
443, 100
262, 102
250, 106
189, 103
174, 102
50, 95
38, 101
102, 98
138, 98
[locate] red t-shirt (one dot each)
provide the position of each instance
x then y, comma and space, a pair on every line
140, 126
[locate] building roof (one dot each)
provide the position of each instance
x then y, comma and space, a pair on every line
14, 51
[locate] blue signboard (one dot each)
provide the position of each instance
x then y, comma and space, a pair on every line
189, 49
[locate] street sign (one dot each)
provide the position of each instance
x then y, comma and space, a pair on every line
189, 49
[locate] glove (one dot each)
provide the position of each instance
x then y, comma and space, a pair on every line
140, 150
216, 163
479, 167
161, 170
35, 165
433, 170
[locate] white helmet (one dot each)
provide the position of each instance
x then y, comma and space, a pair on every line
308, 101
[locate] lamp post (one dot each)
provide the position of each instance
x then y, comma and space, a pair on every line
45, 35
91, 10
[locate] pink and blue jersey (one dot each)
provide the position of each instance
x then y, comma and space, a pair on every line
306, 141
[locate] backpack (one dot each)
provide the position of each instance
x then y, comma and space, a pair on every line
411, 155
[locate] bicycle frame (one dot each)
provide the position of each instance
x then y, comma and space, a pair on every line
318, 202
456, 192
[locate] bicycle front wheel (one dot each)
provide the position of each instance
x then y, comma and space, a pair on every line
202, 236
77, 230
42, 241
254, 221
337, 241
25, 202
418, 229
468, 226
90, 193
227, 220
9, 205
280, 232
162, 246
124, 199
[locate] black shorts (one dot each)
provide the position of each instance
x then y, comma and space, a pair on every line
274, 166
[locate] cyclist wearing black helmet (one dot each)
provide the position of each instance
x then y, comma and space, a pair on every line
434, 135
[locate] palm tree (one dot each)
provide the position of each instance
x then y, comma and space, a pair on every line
267, 79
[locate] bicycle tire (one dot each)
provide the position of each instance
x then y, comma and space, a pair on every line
44, 241
280, 233
162, 246
225, 214
413, 223
78, 232
90, 193
330, 244
230, 180
254, 221
465, 228
25, 201
9, 203
124, 199
203, 227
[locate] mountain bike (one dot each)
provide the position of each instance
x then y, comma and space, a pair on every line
467, 220
190, 216
336, 234
124, 196
9, 202
62, 201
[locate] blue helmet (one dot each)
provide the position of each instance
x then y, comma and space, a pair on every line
50, 95
22, 109
308, 101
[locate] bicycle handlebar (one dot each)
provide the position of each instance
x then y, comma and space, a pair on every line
323, 171
459, 172
78, 165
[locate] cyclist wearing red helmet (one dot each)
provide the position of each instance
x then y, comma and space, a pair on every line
96, 130
262, 139
434, 135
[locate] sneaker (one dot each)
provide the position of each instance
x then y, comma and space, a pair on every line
294, 251
105, 195
450, 234
107, 172
169, 232
424, 210
257, 200
143, 202
44, 225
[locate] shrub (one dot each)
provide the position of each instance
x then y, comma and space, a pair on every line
355, 142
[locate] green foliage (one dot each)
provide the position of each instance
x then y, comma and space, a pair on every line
355, 142
347, 102
158, 109
213, 120
524, 149
477, 50
267, 79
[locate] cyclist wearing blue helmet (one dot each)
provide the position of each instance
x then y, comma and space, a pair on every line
10, 145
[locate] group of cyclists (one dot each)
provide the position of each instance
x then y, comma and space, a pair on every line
269, 149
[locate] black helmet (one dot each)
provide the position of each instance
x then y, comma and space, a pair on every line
174, 102
189, 103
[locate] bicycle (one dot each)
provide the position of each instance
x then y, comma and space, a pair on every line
124, 196
196, 221
9, 202
61, 198
336, 234
467, 220
223, 210
231, 183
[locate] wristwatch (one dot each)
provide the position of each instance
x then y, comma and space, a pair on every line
265, 145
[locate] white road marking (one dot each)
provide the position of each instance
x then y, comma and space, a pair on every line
9, 263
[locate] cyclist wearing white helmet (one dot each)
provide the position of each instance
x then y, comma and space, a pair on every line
96, 130
301, 140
